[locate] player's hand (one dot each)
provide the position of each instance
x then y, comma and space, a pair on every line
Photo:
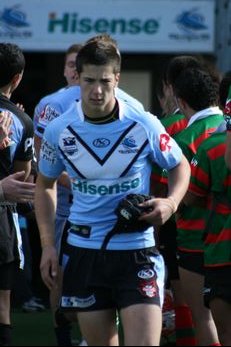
16, 190
49, 266
5, 128
162, 210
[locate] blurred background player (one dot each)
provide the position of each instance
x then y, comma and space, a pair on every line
15, 156
49, 108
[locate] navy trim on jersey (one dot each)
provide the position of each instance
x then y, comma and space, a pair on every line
135, 158
71, 164
94, 155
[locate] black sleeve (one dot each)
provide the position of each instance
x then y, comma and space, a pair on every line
25, 150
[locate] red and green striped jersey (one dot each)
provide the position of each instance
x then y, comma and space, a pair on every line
191, 220
173, 123
211, 176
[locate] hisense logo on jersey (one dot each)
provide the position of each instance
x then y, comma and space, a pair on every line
73, 23
103, 189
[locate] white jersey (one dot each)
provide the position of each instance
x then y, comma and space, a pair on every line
105, 163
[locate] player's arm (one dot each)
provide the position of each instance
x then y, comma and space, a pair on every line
45, 207
164, 208
37, 145
20, 166
63, 179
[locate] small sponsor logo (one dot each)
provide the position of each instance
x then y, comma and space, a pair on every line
101, 143
75, 301
164, 142
146, 274
48, 152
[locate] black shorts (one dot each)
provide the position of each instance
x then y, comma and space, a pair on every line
7, 272
97, 280
217, 284
8, 237
193, 262
168, 248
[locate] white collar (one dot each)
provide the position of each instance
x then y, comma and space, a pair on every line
204, 113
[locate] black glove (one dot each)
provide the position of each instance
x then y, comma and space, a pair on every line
128, 213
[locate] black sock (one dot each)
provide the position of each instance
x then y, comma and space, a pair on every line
63, 329
5, 335
63, 335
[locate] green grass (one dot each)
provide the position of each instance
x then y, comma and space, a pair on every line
35, 329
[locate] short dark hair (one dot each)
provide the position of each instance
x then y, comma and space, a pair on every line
12, 62
97, 52
178, 64
197, 88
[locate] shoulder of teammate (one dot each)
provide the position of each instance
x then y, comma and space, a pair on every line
54, 128
147, 120
129, 99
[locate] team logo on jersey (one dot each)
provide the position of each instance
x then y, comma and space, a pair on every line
130, 145
70, 145
164, 143
101, 143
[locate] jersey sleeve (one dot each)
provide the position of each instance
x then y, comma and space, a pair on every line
25, 148
44, 116
200, 181
50, 163
165, 152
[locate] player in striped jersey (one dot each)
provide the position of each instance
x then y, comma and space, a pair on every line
211, 177
197, 97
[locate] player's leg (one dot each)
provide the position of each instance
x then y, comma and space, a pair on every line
142, 325
99, 327
140, 298
217, 296
193, 284
6, 283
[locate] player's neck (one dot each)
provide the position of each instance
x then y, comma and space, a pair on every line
5, 92
111, 117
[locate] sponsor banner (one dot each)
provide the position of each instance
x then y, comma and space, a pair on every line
137, 25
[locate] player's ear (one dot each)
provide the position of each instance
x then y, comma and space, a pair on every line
117, 78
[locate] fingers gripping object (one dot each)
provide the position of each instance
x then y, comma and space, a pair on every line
128, 212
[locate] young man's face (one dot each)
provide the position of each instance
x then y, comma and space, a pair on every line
97, 85
70, 69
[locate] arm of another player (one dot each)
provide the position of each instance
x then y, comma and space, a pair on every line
45, 207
